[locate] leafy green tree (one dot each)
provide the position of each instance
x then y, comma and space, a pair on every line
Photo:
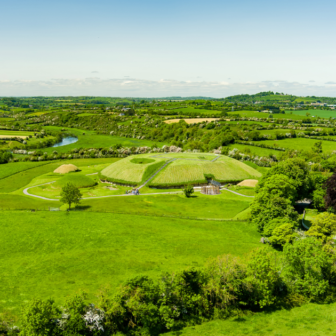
308, 268
317, 147
323, 227
330, 198
263, 275
283, 234
70, 194
318, 199
296, 169
38, 318
188, 190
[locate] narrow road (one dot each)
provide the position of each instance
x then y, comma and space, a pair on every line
235, 192
25, 191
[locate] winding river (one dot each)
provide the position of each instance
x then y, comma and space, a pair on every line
66, 141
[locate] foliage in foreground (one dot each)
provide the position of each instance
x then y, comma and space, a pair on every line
143, 306
70, 194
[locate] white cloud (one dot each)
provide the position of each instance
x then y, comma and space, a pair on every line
94, 71
133, 87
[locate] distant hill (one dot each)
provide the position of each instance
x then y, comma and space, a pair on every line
277, 97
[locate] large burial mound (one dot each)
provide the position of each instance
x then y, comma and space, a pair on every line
132, 170
183, 168
66, 168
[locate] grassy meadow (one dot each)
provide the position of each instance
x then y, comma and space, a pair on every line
54, 254
300, 144
93, 140
307, 320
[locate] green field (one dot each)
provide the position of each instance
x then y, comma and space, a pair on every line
308, 320
17, 175
300, 144
93, 140
15, 133
255, 150
54, 254
254, 114
316, 113
15, 167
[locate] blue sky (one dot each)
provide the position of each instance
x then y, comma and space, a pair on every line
155, 48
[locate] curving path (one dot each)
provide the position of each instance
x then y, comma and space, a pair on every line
25, 191
235, 192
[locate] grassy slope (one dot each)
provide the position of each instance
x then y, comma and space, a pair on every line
128, 171
316, 113
255, 150
55, 254
23, 176
301, 144
184, 171
308, 320
8, 169
93, 140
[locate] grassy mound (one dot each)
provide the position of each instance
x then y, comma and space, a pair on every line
132, 170
142, 160
79, 180
66, 168
196, 171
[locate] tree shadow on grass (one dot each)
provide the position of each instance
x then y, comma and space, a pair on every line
81, 208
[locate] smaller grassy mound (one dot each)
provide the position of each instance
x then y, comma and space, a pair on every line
79, 180
67, 168
142, 161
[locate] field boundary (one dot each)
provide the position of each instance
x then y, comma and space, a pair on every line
130, 214
41, 165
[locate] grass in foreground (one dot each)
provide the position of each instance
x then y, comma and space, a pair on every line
54, 254
308, 320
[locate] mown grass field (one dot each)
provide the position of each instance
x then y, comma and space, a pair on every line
15, 167
93, 140
255, 150
307, 320
300, 144
316, 113
187, 171
15, 133
254, 114
22, 173
54, 254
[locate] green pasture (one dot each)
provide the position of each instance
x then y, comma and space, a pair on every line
254, 114
187, 110
15, 167
55, 254
93, 140
14, 176
307, 320
300, 144
255, 150
15, 133
316, 113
